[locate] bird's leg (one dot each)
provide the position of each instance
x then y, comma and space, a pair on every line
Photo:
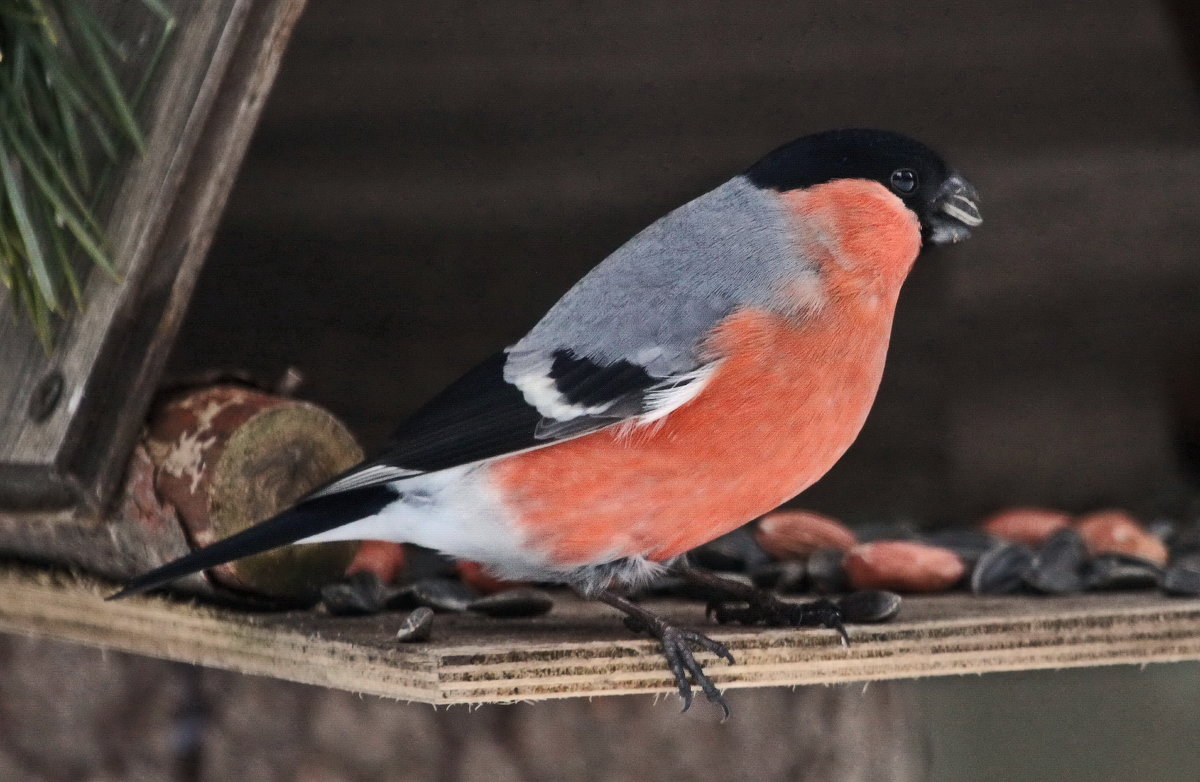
677, 648
762, 607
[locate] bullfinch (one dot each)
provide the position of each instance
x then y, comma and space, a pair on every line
709, 370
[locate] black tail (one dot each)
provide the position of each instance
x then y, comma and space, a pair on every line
306, 519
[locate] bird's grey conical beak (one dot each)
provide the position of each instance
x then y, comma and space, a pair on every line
956, 211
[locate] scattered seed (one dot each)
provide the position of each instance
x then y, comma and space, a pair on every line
787, 576
1001, 571
869, 605
794, 534
826, 571
357, 595
968, 544
1187, 539
1116, 532
1031, 526
903, 565
512, 603
1058, 568
1182, 578
1162, 528
417, 626
1122, 571
440, 594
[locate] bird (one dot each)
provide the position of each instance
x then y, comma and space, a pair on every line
707, 371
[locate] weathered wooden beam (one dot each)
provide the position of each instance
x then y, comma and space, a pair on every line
582, 649
68, 421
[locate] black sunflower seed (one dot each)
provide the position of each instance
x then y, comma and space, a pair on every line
417, 626
514, 603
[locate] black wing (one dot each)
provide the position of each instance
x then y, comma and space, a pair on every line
481, 415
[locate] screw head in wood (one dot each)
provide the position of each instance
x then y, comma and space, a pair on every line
46, 396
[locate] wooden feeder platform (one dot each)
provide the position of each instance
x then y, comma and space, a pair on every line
582, 649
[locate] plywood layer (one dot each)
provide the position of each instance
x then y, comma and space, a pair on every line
582, 649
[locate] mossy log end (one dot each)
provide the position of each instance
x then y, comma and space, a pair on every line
228, 457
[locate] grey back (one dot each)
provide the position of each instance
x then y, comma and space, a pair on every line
654, 300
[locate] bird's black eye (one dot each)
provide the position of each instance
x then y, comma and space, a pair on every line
904, 180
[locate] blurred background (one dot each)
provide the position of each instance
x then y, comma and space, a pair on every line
429, 177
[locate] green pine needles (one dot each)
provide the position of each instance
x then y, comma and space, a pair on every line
66, 120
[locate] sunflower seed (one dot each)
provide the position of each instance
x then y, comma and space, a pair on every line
440, 594
514, 603
1122, 571
356, 595
968, 544
417, 626
1059, 566
825, 571
1182, 577
869, 605
787, 576
1001, 571
1162, 528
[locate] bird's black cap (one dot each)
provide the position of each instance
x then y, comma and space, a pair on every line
909, 169
855, 153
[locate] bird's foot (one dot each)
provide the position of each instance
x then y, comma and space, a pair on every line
677, 644
749, 605
764, 608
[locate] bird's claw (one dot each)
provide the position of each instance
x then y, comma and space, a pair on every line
677, 649
771, 611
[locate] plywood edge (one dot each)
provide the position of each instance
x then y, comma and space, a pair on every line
72, 608
1098, 630
583, 651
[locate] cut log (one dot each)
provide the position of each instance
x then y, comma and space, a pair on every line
228, 457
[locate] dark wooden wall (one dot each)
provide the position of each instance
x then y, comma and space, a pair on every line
429, 177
